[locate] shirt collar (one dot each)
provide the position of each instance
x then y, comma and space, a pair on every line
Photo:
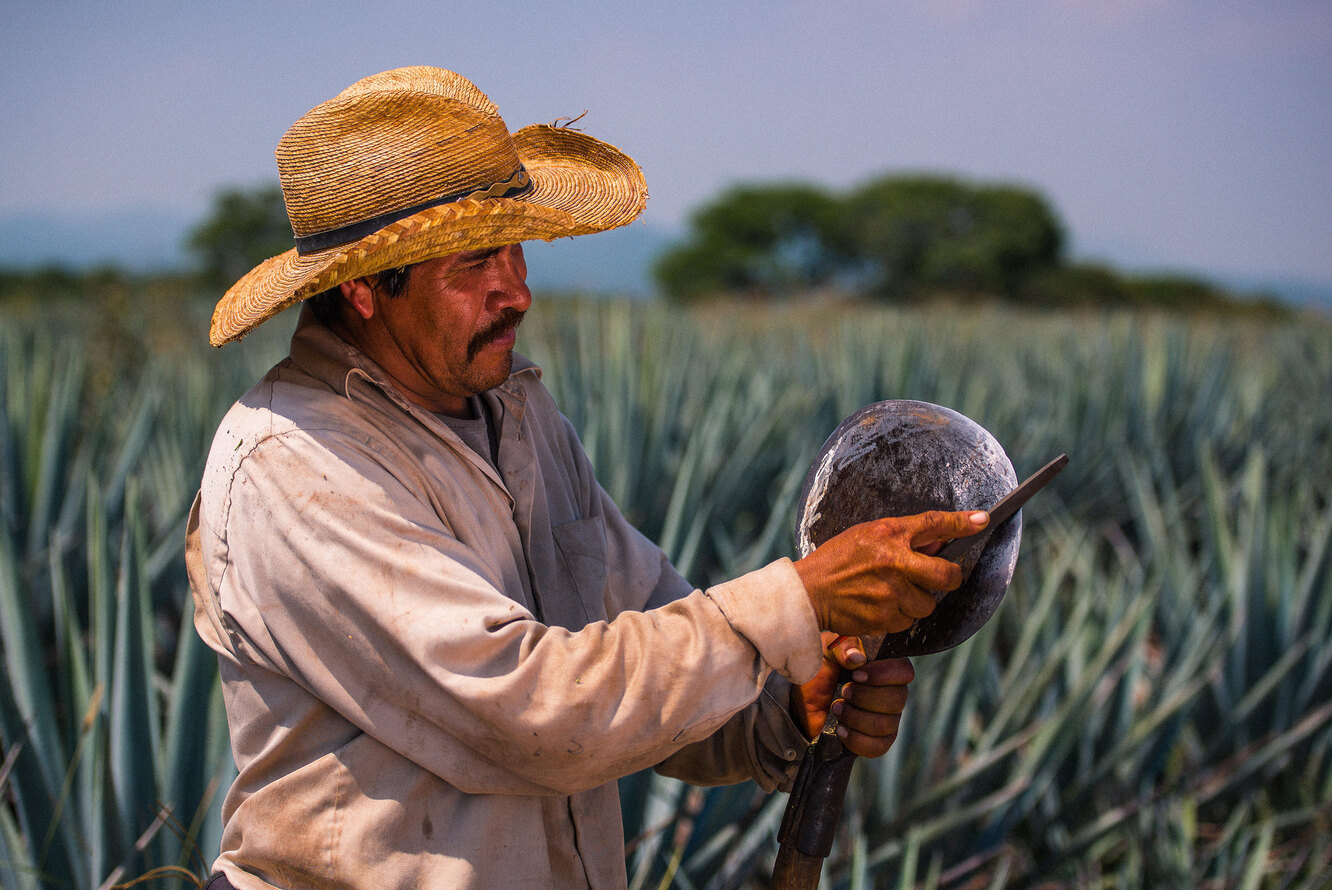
332, 360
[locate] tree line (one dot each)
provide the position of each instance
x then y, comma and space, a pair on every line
896, 238
904, 239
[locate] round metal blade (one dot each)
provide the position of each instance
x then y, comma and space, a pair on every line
902, 457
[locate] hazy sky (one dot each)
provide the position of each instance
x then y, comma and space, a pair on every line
1190, 135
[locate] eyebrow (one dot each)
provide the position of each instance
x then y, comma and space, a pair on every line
472, 255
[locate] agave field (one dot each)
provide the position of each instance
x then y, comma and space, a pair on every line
1150, 707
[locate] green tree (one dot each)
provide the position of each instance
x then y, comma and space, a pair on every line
757, 240
244, 227
900, 237
925, 234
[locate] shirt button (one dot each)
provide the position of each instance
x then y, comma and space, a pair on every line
790, 753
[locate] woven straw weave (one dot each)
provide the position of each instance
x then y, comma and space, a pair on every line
402, 139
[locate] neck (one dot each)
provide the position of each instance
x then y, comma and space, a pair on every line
375, 345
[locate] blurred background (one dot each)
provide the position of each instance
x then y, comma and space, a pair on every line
1167, 136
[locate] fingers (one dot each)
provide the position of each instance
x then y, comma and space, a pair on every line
869, 711
873, 577
898, 623
915, 603
939, 525
873, 743
884, 672
928, 531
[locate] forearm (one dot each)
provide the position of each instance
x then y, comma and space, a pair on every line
760, 743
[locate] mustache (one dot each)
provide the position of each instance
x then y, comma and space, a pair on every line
508, 319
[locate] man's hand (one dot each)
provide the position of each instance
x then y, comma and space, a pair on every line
868, 709
875, 578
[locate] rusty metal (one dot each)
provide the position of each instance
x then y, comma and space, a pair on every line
902, 457
899, 458
960, 614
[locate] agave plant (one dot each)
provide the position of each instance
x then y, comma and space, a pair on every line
1152, 705
115, 743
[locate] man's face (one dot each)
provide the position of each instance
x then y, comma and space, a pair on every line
451, 333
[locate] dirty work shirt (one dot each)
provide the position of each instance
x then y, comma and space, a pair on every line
434, 671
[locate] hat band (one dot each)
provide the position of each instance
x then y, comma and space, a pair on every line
520, 183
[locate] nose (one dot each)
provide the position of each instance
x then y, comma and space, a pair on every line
508, 285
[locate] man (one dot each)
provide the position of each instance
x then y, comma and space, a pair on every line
440, 642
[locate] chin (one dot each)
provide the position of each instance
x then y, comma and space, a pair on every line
506, 368
489, 374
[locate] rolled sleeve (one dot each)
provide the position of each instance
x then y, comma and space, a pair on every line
771, 608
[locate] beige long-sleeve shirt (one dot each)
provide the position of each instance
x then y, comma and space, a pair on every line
433, 670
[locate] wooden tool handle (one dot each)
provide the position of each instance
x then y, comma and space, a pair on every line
809, 824
795, 871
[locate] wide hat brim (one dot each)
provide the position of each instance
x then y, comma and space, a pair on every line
580, 185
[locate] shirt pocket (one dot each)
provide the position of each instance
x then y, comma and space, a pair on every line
582, 548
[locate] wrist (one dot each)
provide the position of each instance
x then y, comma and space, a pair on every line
809, 580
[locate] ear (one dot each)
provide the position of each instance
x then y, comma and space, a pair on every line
360, 295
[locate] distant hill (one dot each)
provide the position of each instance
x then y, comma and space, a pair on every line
617, 262
1295, 291
144, 240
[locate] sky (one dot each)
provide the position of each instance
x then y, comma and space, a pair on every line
1189, 135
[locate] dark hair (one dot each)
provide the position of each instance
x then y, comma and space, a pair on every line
327, 305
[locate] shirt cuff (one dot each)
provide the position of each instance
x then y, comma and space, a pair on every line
780, 743
770, 608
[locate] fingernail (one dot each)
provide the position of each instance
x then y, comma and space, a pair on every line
837, 707
859, 677
980, 516
855, 656
842, 732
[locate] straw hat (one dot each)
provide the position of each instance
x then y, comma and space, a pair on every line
416, 163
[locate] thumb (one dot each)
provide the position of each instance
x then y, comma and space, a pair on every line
848, 652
